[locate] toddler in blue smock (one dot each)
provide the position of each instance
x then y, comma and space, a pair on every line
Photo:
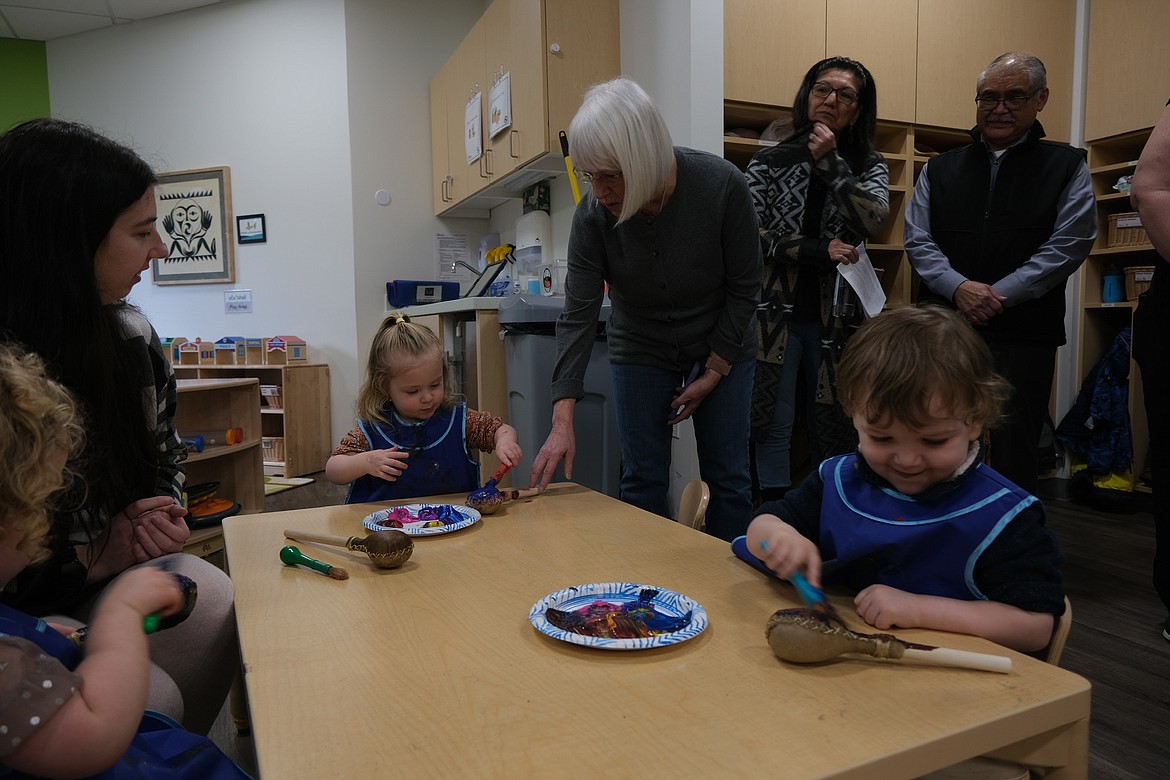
412, 437
926, 533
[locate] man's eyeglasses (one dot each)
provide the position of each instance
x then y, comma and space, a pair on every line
845, 95
608, 179
1011, 103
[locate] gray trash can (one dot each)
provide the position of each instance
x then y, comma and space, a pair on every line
529, 325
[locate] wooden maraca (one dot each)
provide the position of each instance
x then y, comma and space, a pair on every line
488, 499
387, 549
805, 636
291, 556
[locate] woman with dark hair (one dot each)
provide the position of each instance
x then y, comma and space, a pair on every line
77, 214
817, 195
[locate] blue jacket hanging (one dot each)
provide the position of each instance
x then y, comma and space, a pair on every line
1096, 429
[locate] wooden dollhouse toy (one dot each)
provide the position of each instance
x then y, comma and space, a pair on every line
253, 351
171, 347
206, 352
227, 350
189, 353
281, 350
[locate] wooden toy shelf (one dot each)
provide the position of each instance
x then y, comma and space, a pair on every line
206, 404
298, 426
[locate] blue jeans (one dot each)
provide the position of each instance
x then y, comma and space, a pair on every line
642, 397
802, 355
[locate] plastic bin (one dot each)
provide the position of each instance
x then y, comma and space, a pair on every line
529, 325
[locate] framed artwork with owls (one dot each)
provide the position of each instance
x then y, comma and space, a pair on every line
195, 223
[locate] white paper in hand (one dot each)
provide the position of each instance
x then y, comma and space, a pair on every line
864, 281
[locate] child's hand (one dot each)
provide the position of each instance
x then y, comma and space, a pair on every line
386, 464
783, 549
509, 453
884, 607
145, 590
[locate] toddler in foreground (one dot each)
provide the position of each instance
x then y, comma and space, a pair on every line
929, 535
62, 714
412, 437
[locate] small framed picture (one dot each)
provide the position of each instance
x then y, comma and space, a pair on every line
250, 229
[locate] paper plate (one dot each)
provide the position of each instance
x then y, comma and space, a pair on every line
665, 603
415, 527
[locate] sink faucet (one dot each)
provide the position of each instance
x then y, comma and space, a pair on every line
468, 266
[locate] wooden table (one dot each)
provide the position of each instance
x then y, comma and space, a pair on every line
433, 670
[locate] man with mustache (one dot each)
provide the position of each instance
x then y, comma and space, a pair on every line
994, 229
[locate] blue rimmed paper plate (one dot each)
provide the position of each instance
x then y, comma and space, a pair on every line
416, 527
627, 606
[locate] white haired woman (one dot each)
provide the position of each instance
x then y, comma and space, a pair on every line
672, 232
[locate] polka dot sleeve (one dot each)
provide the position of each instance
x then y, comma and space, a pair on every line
33, 687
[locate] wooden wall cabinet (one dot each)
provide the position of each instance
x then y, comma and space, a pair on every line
302, 420
1128, 80
1100, 322
770, 44
925, 55
551, 51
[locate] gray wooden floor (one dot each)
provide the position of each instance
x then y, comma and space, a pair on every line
1116, 640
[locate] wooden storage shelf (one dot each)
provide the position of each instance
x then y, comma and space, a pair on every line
302, 421
223, 403
1100, 322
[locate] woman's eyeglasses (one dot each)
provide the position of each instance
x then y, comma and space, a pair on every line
845, 95
1011, 103
607, 179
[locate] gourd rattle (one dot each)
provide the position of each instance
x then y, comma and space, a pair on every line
387, 549
805, 636
488, 499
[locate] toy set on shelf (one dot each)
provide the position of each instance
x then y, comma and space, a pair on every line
236, 351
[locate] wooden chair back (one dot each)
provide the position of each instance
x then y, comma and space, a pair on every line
692, 505
1059, 635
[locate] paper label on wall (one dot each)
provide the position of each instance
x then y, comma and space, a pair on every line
472, 138
237, 302
500, 105
450, 247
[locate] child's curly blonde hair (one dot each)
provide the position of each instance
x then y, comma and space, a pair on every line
39, 431
399, 339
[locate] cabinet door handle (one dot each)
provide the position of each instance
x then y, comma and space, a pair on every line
483, 174
512, 136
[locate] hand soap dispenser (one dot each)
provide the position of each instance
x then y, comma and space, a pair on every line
1112, 290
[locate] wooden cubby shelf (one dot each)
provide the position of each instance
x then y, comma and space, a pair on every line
294, 436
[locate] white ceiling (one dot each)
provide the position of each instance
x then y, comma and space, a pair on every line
44, 20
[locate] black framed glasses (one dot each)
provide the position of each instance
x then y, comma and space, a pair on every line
845, 95
608, 179
1011, 102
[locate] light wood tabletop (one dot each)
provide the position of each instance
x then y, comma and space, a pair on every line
434, 670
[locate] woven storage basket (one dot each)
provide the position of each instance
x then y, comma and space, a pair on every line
1137, 280
273, 447
1126, 229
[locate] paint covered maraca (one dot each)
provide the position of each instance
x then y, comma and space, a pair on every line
488, 499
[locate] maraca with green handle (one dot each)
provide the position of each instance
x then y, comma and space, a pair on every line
291, 556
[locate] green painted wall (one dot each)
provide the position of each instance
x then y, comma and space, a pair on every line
24, 81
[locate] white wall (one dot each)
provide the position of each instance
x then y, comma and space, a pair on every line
313, 104
675, 51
